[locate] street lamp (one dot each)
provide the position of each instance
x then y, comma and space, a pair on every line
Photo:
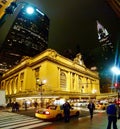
40, 84
30, 10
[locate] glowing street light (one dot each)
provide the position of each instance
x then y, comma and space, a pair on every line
40, 84
115, 70
30, 10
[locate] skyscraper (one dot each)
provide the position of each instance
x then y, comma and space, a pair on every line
104, 38
27, 34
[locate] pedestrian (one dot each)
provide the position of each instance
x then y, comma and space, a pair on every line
13, 106
16, 106
35, 105
91, 107
25, 104
112, 115
66, 108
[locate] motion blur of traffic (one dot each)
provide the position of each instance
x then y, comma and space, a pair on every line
55, 110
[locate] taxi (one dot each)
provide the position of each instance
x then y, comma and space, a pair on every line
101, 106
54, 112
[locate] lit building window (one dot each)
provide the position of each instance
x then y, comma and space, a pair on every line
62, 80
21, 76
37, 72
16, 86
8, 88
21, 86
12, 87
79, 83
73, 81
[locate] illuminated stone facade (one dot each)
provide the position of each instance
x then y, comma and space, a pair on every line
64, 78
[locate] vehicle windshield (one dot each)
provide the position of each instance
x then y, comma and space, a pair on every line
53, 107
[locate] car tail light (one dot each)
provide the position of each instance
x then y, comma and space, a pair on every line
46, 112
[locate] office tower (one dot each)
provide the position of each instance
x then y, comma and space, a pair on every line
27, 34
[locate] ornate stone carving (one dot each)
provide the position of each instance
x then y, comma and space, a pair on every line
78, 60
53, 53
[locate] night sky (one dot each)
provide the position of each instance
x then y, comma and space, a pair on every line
73, 23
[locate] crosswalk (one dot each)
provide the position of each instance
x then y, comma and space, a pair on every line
9, 120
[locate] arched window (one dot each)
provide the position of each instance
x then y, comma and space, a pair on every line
62, 80
73, 81
16, 85
12, 87
79, 82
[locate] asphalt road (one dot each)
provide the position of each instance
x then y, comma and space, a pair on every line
27, 121
31, 112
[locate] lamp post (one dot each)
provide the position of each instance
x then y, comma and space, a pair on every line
40, 84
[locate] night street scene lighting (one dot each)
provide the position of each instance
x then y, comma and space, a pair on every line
24, 32
116, 82
40, 83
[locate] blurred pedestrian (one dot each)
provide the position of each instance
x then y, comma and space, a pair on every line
16, 106
91, 107
35, 105
66, 107
112, 115
25, 104
13, 106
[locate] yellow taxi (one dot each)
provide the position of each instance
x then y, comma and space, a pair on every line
101, 106
54, 112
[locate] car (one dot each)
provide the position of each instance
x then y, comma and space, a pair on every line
101, 106
54, 112
81, 104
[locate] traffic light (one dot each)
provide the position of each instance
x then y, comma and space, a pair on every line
117, 85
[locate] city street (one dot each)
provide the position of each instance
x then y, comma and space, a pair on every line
26, 120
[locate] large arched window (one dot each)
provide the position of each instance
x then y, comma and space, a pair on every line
62, 80
21, 81
73, 81
16, 85
12, 86
79, 82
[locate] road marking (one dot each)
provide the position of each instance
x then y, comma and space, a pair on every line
10, 120
36, 125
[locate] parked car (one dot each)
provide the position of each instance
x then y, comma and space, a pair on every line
54, 112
